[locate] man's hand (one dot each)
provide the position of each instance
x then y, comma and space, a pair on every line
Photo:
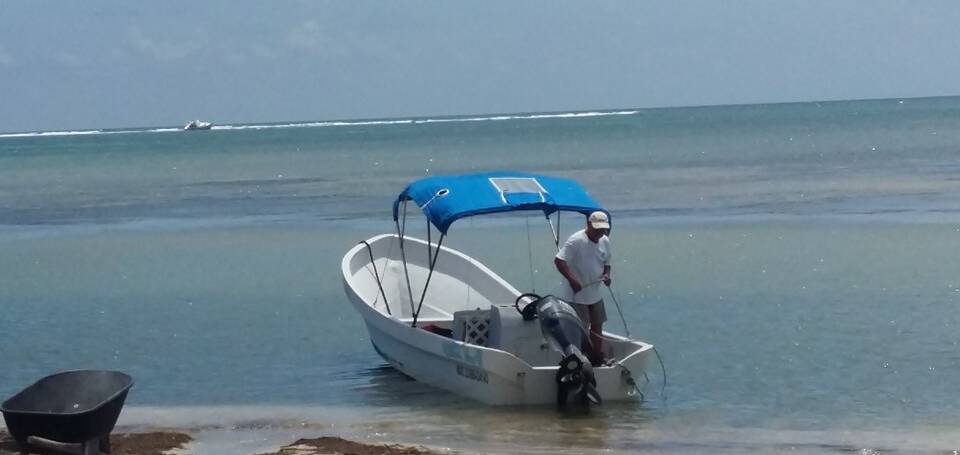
606, 279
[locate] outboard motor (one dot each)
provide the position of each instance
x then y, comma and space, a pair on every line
563, 330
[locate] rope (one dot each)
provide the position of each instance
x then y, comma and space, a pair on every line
657, 353
617, 302
663, 388
629, 374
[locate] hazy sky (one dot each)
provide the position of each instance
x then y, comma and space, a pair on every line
103, 64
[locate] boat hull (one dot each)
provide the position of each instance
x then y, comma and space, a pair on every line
487, 375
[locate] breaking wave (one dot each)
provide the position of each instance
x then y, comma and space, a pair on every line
52, 133
417, 121
336, 123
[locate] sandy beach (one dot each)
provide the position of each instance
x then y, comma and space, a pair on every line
169, 442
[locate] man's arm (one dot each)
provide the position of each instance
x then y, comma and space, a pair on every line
564, 270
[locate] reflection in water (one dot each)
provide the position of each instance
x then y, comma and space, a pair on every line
403, 410
411, 411
392, 408
385, 386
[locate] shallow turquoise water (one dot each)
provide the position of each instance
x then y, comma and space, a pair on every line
795, 266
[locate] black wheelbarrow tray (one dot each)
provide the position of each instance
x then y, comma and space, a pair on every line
71, 407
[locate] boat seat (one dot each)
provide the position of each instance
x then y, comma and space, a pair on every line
501, 327
524, 339
472, 326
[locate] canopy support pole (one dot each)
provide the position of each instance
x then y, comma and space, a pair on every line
533, 283
433, 263
403, 255
555, 232
377, 274
429, 244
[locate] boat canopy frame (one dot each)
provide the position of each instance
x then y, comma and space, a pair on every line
446, 199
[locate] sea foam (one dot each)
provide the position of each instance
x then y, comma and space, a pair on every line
335, 123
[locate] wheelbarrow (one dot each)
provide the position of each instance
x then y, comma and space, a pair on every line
71, 411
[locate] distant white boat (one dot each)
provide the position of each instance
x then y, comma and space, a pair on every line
197, 125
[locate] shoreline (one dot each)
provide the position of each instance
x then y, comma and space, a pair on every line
177, 442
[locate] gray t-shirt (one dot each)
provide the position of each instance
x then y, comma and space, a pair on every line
586, 261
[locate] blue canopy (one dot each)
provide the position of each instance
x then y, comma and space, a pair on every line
445, 199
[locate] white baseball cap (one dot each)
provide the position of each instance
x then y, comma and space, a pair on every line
599, 220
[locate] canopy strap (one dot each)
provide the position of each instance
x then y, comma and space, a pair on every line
377, 275
433, 263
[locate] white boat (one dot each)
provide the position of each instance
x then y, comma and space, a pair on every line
443, 318
197, 125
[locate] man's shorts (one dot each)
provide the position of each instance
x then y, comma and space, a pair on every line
591, 314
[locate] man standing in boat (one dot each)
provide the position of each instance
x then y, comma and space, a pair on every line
584, 262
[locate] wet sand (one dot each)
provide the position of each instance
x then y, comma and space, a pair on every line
173, 442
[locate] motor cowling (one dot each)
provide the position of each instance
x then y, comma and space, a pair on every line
564, 331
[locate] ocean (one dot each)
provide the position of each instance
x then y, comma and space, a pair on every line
796, 266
